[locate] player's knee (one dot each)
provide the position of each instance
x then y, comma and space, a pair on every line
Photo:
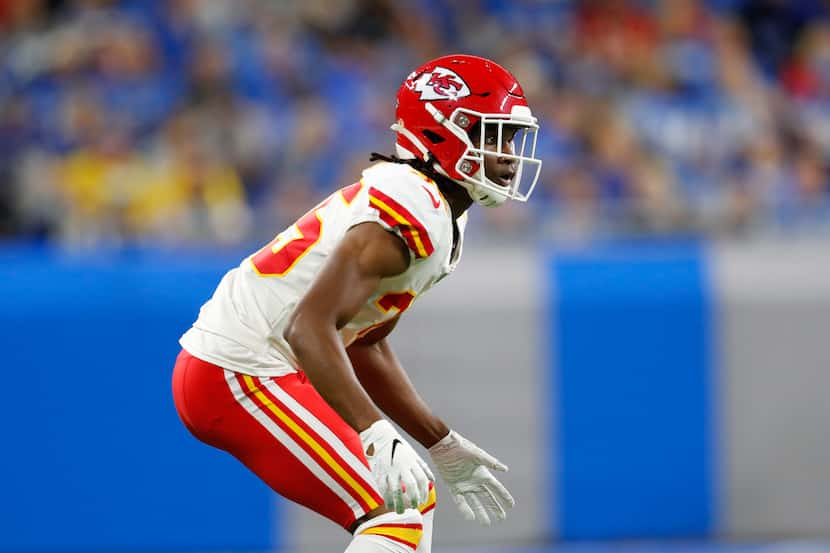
406, 528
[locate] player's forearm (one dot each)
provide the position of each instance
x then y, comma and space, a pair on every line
382, 376
323, 358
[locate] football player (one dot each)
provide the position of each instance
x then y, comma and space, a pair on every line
288, 368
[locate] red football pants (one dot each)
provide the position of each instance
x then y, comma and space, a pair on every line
282, 430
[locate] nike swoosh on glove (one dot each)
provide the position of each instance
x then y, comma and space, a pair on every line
401, 475
465, 468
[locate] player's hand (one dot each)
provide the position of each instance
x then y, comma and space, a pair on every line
400, 473
466, 469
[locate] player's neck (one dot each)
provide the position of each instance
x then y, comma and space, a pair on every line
458, 198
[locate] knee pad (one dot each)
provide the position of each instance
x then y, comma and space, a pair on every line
406, 528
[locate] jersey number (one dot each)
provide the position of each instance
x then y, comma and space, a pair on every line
289, 246
280, 256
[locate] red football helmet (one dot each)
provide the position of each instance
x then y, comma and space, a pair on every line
443, 100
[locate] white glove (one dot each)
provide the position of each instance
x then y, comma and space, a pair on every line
400, 473
464, 467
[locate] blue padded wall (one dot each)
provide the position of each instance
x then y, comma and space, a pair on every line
95, 457
631, 339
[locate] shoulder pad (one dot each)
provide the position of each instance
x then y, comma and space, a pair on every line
407, 202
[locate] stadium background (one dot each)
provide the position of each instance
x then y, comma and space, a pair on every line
644, 343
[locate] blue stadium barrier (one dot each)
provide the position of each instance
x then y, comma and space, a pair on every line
95, 456
631, 338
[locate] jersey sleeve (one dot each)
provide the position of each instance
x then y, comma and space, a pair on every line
403, 202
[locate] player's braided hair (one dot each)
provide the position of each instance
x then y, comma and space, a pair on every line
425, 167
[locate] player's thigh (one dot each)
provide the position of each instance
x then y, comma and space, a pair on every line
284, 432
309, 455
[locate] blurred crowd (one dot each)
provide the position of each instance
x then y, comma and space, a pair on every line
218, 122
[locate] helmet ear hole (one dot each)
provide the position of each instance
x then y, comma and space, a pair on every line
433, 137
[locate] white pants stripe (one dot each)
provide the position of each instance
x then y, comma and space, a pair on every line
291, 444
322, 430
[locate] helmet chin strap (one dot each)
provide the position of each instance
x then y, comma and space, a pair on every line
482, 196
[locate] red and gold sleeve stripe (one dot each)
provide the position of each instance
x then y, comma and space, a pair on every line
397, 216
407, 534
430, 502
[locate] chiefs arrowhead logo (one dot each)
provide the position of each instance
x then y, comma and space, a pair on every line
441, 84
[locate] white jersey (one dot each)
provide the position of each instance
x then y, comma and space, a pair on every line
240, 328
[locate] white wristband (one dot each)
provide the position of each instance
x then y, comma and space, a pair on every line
447, 441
